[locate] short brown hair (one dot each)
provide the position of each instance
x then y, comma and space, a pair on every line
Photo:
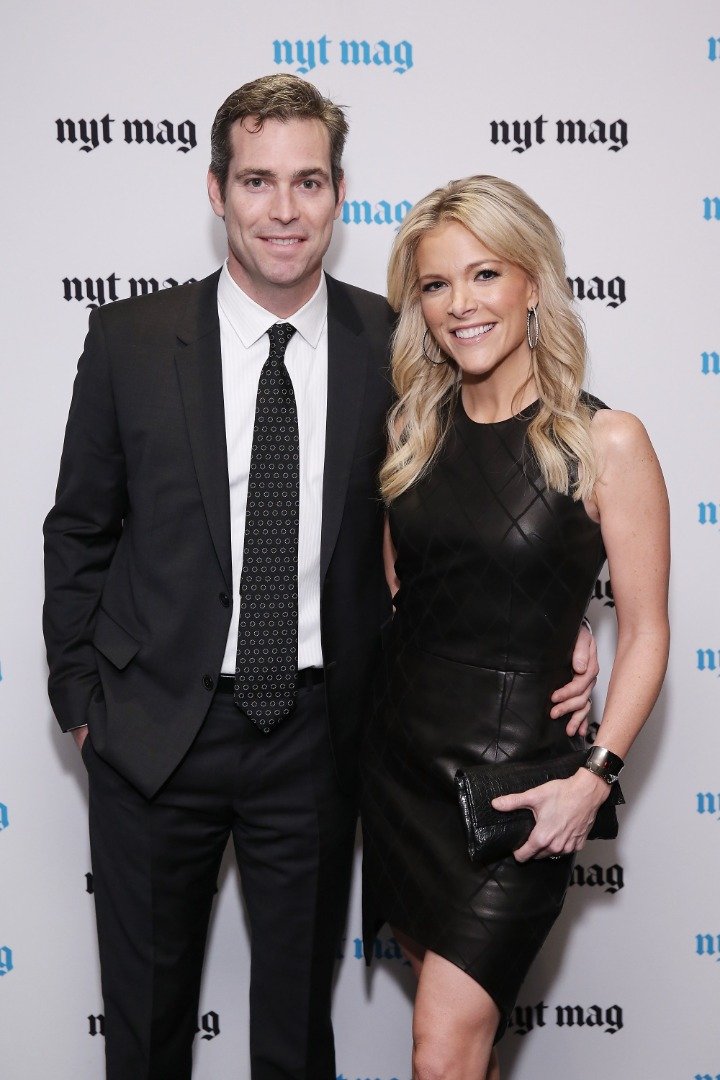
276, 97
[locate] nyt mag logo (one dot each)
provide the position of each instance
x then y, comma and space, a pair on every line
304, 56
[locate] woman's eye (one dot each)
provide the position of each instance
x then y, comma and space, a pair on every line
432, 286
486, 275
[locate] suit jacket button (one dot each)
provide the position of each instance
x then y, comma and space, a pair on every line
208, 683
224, 599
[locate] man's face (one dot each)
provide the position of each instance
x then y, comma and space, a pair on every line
279, 209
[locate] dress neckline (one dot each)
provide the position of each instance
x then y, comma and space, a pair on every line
524, 414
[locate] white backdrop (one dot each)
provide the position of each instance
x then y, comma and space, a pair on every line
466, 86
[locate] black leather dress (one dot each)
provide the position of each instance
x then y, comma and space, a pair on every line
495, 574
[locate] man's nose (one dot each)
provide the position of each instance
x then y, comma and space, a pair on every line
283, 207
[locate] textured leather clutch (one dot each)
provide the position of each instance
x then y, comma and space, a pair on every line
492, 834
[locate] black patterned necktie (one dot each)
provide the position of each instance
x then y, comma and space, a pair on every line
267, 633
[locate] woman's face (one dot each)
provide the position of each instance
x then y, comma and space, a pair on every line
474, 304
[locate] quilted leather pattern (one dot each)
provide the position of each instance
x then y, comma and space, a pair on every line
495, 574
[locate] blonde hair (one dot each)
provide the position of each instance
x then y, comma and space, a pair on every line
508, 222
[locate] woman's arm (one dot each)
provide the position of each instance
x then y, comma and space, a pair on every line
634, 518
630, 502
389, 556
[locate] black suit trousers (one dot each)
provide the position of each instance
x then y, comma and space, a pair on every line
155, 866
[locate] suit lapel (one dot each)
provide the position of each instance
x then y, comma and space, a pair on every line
199, 366
347, 368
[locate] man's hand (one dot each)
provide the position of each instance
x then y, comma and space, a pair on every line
574, 698
80, 735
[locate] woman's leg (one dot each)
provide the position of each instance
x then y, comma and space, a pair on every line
493, 1072
416, 954
454, 1025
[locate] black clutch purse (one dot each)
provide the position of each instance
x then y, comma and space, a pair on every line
493, 834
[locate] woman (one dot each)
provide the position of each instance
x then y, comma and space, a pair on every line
507, 487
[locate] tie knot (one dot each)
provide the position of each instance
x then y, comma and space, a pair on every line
279, 334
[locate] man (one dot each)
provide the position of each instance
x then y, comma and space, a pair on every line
215, 598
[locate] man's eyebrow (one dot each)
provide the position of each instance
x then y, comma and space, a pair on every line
316, 170
241, 174
268, 174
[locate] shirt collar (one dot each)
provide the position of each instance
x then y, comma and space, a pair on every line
250, 321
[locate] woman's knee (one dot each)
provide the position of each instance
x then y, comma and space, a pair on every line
444, 1050
433, 1059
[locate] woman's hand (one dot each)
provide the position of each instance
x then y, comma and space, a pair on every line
564, 814
574, 697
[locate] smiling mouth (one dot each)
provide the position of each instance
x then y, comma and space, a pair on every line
282, 241
470, 333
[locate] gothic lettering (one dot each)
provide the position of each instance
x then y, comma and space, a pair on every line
186, 136
708, 803
305, 54
94, 292
707, 944
526, 1017
142, 286
6, 960
611, 878
610, 1019
611, 291
97, 290
209, 1025
522, 134
383, 949
90, 134
87, 132
362, 212
603, 592
382, 54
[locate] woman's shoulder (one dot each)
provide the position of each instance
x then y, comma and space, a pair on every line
617, 434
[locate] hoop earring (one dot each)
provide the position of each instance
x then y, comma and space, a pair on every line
533, 315
435, 363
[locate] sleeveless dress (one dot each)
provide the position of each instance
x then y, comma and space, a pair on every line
495, 574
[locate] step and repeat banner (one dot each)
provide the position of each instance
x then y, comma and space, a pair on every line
607, 115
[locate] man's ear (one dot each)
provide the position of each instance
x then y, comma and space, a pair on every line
215, 194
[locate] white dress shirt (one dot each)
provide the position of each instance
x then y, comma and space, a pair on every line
245, 346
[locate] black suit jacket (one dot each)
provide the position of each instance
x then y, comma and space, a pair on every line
137, 546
